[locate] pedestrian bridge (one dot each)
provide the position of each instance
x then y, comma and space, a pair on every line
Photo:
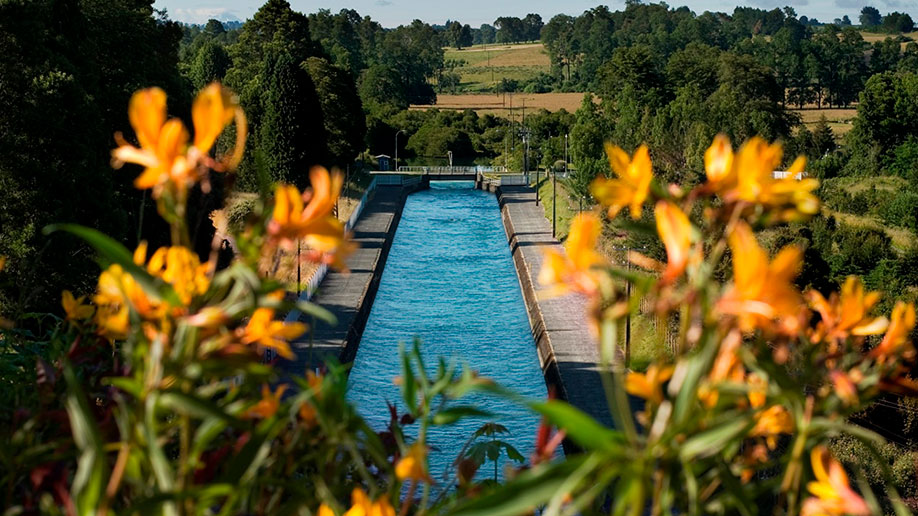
411, 174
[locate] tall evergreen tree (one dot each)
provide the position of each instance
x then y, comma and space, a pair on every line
292, 135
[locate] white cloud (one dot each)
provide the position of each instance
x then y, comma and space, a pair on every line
202, 14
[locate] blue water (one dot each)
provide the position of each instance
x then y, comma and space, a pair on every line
450, 281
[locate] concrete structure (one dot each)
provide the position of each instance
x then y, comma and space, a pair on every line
349, 296
567, 350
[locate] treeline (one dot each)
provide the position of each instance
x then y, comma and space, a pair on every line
825, 65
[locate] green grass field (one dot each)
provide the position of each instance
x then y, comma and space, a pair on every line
483, 66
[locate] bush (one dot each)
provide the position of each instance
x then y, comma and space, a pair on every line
901, 210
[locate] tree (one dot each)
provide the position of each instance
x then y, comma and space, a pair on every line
214, 28
342, 112
67, 71
415, 54
292, 135
532, 27
487, 34
452, 33
870, 17
510, 29
465, 37
210, 64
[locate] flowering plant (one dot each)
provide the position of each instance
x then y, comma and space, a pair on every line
160, 401
763, 376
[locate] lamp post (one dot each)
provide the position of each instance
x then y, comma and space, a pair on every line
396, 148
554, 201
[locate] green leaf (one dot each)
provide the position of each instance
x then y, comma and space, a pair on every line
117, 253
409, 387
450, 415
712, 441
585, 431
89, 480
194, 406
523, 494
317, 311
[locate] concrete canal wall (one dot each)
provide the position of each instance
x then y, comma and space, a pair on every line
349, 296
568, 351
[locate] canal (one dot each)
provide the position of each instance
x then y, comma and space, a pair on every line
450, 281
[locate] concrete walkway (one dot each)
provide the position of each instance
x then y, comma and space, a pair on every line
349, 296
567, 349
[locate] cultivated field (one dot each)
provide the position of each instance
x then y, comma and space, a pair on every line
483, 66
501, 104
871, 37
840, 120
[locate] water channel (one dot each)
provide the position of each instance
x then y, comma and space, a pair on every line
450, 281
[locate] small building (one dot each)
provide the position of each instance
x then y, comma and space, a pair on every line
383, 162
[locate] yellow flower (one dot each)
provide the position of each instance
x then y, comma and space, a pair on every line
413, 466
116, 293
74, 307
214, 108
181, 268
262, 329
748, 176
633, 182
846, 385
325, 510
762, 292
832, 495
726, 368
308, 216
758, 390
676, 233
903, 321
572, 271
648, 385
168, 160
772, 422
361, 505
268, 404
718, 163
846, 314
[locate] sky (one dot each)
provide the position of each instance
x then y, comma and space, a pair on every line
391, 13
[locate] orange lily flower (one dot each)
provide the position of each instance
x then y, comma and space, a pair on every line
846, 314
268, 404
649, 385
262, 329
325, 510
181, 268
413, 466
762, 292
718, 163
749, 176
903, 321
168, 160
117, 292
632, 185
676, 233
74, 307
846, 385
832, 495
361, 505
572, 271
772, 422
726, 368
308, 216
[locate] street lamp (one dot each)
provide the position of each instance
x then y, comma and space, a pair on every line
396, 148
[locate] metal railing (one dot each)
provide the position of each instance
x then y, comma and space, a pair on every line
312, 285
445, 170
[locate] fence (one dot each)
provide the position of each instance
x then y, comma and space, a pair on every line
454, 170
312, 285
